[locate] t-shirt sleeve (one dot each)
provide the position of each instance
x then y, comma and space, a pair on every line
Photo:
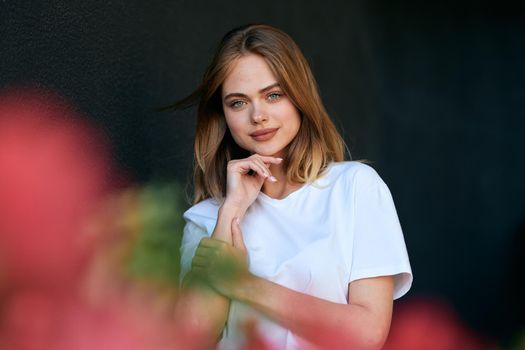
378, 244
191, 238
200, 223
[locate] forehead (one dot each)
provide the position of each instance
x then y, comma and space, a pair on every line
249, 74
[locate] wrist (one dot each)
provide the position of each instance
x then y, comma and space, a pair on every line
226, 213
246, 289
232, 209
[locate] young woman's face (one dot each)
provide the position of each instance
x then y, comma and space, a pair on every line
260, 117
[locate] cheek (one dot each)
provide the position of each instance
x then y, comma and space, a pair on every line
235, 128
293, 119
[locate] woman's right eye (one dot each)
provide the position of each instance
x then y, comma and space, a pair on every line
237, 104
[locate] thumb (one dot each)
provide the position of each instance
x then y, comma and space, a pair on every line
238, 241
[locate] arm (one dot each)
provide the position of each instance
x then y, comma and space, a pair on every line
204, 310
363, 323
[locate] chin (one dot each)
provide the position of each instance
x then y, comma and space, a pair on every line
267, 153
266, 150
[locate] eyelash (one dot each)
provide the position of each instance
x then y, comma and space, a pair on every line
234, 104
278, 94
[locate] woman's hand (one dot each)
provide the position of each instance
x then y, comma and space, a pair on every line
363, 323
242, 187
221, 265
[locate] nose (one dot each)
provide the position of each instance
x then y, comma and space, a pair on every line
259, 115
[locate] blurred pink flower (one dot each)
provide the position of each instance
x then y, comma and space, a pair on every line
61, 238
431, 325
53, 169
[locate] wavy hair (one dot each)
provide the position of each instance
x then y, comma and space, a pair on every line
317, 143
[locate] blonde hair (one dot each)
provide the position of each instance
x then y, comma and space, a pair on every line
317, 143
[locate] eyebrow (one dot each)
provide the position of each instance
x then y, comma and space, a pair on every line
238, 94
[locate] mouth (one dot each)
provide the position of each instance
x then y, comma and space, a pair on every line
264, 134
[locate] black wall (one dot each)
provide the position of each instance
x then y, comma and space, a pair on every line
432, 94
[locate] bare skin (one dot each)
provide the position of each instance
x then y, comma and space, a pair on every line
253, 102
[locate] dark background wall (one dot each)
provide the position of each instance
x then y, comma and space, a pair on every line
432, 94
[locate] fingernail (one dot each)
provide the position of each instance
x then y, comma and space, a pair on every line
280, 159
237, 220
273, 179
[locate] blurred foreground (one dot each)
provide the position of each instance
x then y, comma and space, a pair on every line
90, 262
85, 262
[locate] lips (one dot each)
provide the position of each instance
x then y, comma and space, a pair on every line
264, 134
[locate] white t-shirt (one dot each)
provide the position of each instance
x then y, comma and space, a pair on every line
317, 240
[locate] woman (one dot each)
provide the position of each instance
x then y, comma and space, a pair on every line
284, 235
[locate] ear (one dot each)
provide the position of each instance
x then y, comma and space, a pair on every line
238, 241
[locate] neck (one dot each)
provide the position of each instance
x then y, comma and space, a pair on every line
282, 187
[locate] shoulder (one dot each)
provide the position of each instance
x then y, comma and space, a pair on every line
353, 174
203, 214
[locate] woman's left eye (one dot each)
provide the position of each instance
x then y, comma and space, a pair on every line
274, 96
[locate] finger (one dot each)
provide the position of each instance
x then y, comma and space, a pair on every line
269, 160
262, 165
204, 252
261, 170
237, 238
208, 242
269, 174
258, 168
244, 166
199, 261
